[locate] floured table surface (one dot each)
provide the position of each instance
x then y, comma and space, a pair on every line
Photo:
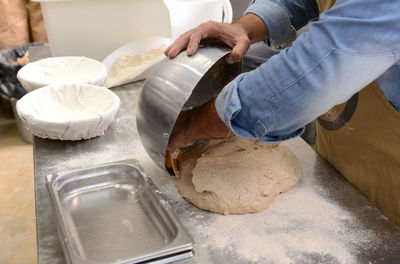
323, 219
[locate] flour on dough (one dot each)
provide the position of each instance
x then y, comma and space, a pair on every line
127, 64
236, 176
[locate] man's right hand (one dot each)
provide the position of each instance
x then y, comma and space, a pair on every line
238, 36
199, 123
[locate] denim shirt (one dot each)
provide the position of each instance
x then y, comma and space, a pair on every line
352, 44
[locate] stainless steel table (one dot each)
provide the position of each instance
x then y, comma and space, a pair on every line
323, 219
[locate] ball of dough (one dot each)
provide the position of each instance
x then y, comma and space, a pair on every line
236, 176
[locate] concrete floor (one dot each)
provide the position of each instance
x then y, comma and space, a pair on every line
17, 196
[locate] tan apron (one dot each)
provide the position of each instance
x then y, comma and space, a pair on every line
21, 22
36, 23
361, 139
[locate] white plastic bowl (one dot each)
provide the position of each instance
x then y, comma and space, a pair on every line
137, 46
62, 70
68, 111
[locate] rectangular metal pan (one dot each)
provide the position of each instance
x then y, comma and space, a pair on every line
112, 214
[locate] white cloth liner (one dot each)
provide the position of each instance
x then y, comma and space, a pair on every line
62, 70
68, 111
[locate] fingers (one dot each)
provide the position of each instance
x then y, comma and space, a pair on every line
179, 140
174, 145
239, 50
190, 40
194, 42
212, 32
213, 42
178, 45
191, 43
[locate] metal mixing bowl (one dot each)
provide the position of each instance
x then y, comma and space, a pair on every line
176, 85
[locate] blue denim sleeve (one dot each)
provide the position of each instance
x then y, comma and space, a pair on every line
283, 17
353, 44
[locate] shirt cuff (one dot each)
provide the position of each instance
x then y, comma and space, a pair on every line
277, 21
229, 107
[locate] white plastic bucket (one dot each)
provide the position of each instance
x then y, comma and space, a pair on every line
187, 14
95, 28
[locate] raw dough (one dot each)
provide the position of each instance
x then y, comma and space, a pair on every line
236, 176
127, 64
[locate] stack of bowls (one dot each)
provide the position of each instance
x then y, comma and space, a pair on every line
65, 98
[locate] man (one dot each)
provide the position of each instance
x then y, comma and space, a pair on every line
355, 44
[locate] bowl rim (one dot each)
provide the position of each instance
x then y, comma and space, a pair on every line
22, 77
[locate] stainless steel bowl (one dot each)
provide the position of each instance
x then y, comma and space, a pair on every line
176, 85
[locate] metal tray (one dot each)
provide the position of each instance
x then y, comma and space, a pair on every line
112, 214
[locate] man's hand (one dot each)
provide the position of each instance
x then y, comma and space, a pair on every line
199, 123
238, 36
